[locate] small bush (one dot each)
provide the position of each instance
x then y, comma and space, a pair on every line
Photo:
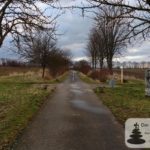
82, 66
94, 75
101, 75
125, 81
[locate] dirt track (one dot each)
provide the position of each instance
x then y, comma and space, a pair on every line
73, 119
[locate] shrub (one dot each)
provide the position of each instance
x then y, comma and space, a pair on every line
101, 75
82, 66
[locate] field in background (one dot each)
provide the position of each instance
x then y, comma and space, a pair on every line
22, 91
14, 70
104, 75
136, 73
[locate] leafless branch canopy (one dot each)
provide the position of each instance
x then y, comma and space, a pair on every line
19, 16
137, 11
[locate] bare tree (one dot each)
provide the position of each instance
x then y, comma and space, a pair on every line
20, 16
59, 62
138, 11
95, 48
100, 47
91, 50
113, 32
37, 48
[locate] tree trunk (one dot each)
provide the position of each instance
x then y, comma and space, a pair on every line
110, 65
92, 63
1, 42
95, 64
43, 72
101, 64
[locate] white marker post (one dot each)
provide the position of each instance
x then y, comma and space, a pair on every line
121, 74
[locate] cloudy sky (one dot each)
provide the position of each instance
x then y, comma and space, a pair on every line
75, 29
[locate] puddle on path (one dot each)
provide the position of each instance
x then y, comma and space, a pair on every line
87, 107
88, 90
76, 91
74, 86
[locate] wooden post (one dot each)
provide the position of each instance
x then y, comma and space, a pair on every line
121, 74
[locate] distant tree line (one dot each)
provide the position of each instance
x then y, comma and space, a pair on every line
132, 64
12, 63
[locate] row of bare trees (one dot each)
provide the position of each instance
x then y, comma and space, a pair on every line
40, 48
133, 15
108, 38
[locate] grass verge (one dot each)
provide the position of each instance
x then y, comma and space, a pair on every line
87, 79
20, 98
126, 100
60, 78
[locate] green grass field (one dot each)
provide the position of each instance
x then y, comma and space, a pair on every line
20, 98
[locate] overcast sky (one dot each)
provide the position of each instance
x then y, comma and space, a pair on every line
75, 29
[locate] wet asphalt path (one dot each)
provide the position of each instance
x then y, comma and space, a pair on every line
73, 119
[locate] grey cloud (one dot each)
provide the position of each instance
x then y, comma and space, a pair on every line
143, 50
138, 52
75, 30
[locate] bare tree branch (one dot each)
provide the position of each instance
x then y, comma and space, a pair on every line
19, 16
